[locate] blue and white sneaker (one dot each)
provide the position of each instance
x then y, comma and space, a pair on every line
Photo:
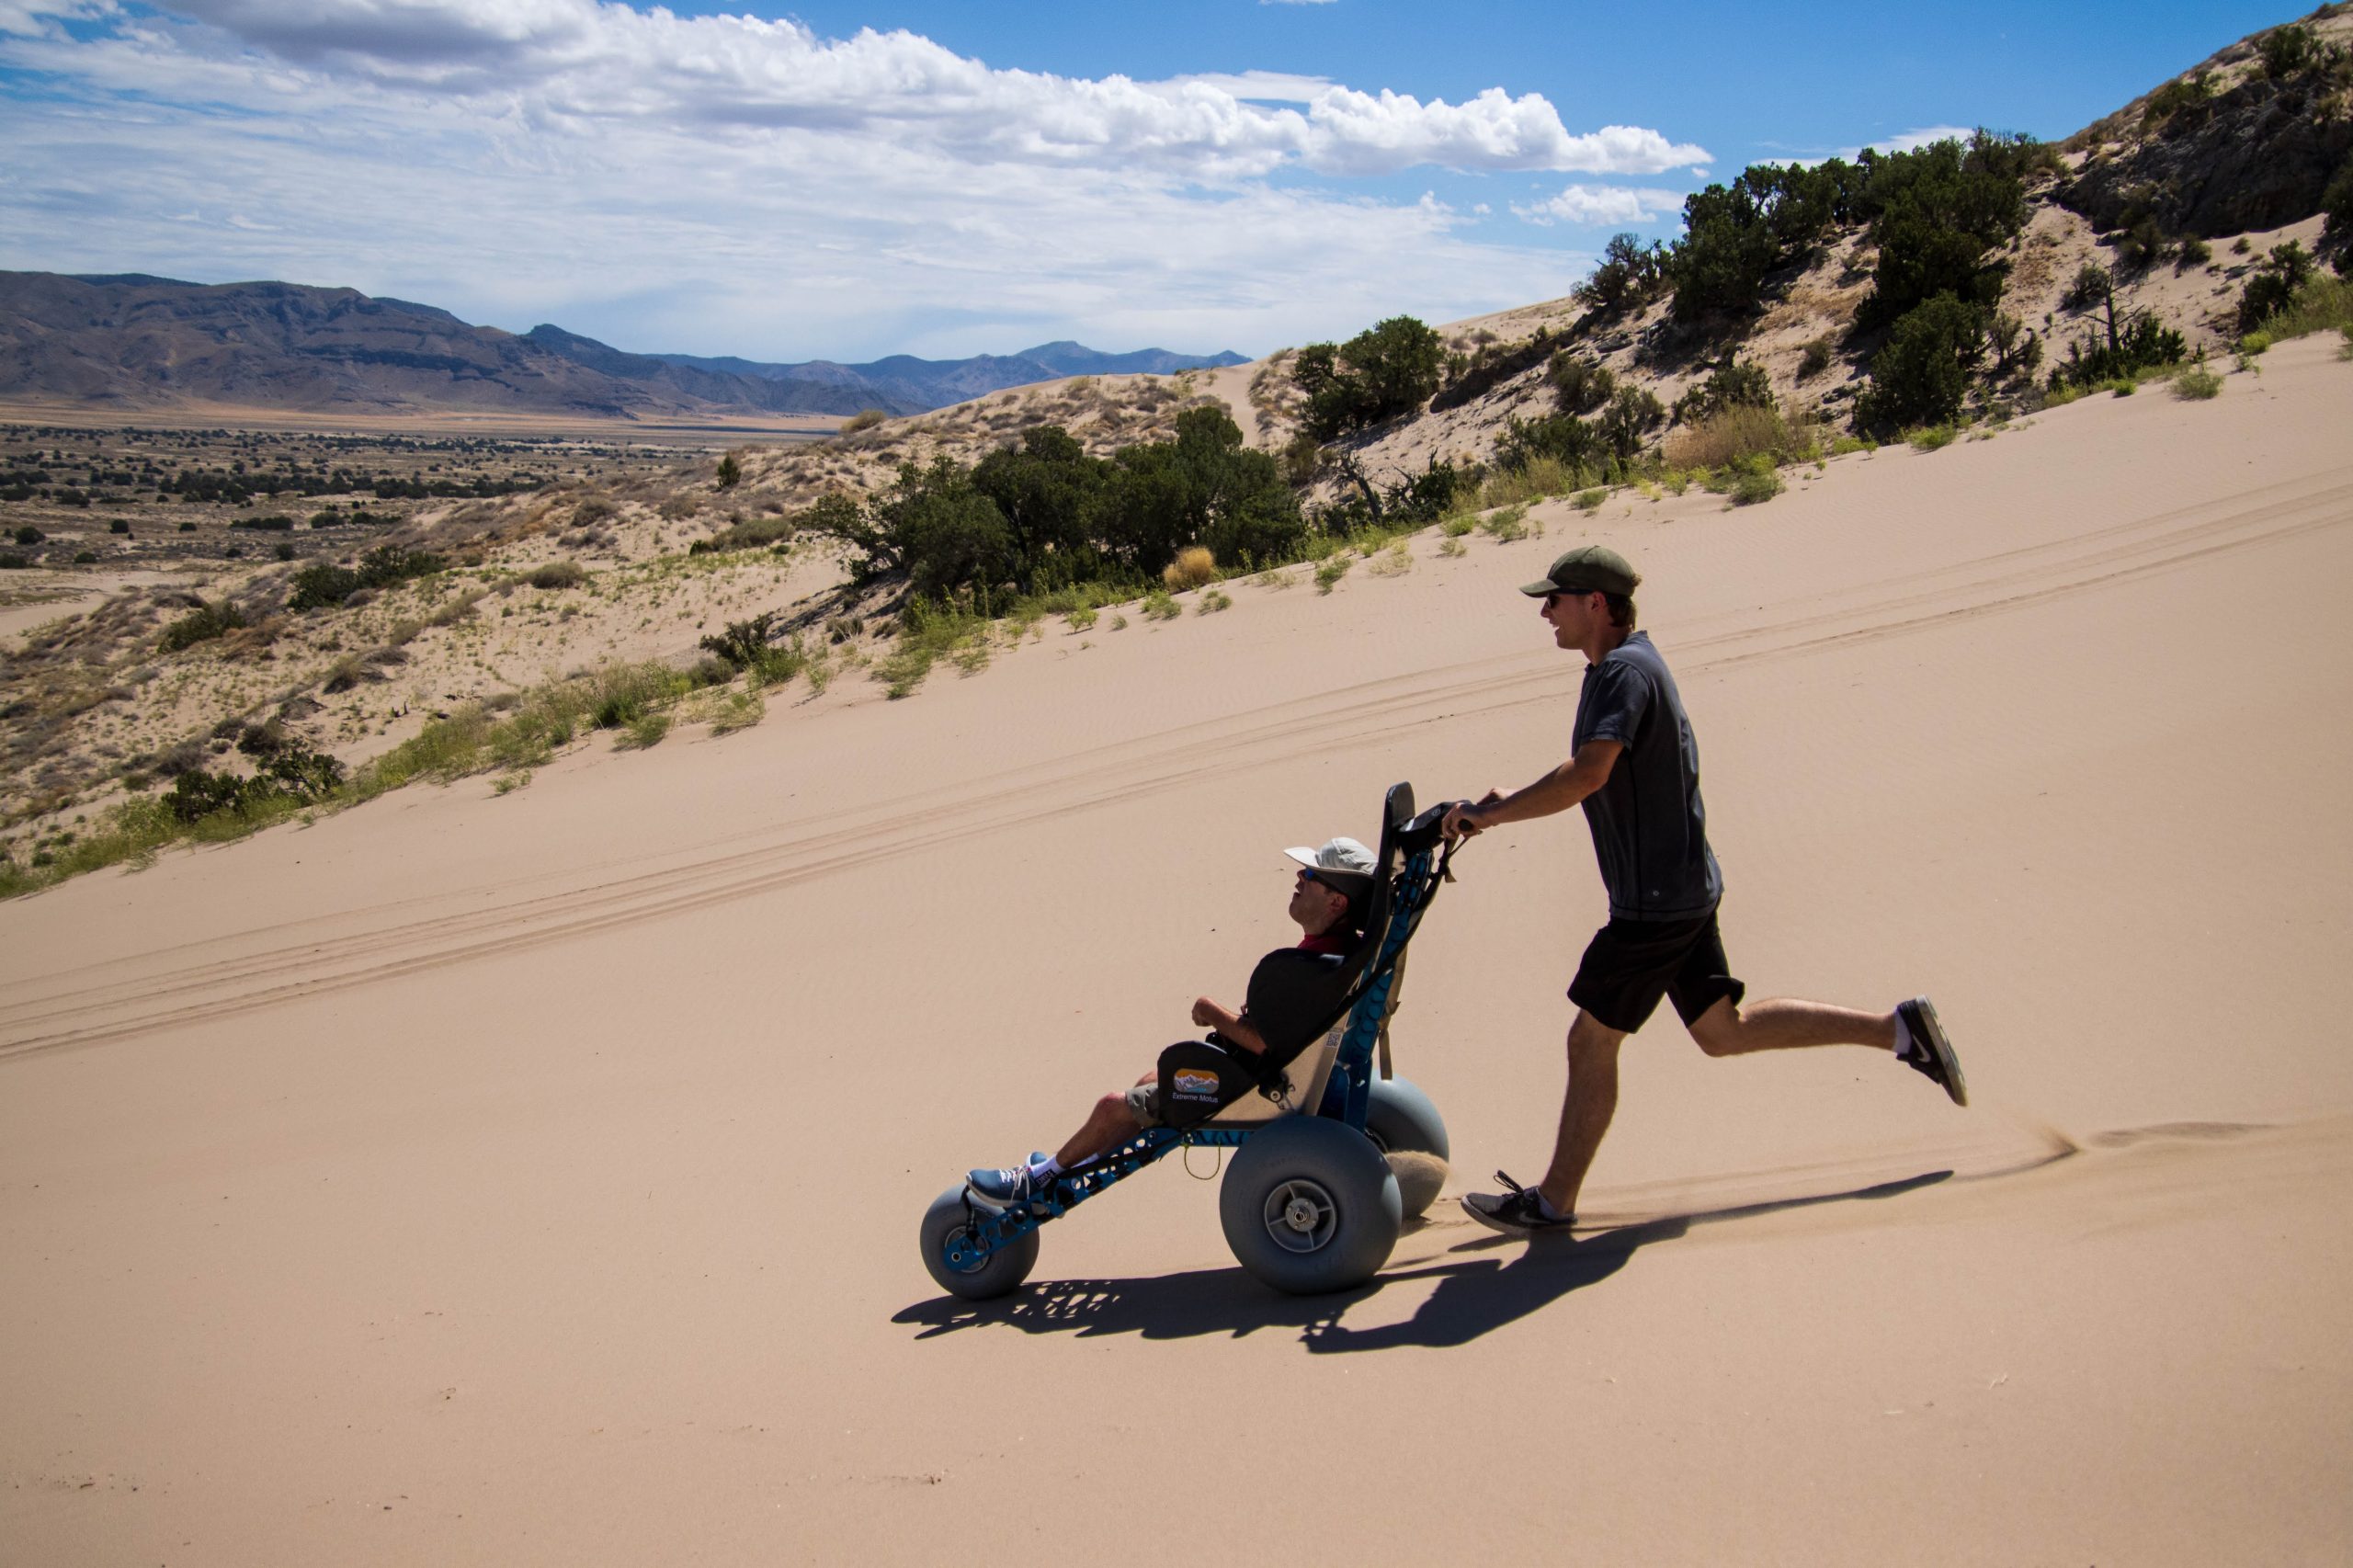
1011, 1185
1931, 1053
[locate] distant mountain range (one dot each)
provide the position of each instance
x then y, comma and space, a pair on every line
132, 342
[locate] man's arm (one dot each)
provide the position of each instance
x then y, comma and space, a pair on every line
1566, 786
1236, 1028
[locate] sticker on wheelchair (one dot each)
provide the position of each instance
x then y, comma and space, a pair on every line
1191, 1085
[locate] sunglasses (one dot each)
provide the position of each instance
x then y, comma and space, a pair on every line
1557, 595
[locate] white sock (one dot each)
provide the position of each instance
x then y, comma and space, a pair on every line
1046, 1169
1544, 1207
1903, 1035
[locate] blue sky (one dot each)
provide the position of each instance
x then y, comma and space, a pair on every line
846, 180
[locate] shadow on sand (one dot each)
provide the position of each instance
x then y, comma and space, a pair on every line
1482, 1286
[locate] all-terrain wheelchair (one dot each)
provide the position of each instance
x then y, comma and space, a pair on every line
1311, 1202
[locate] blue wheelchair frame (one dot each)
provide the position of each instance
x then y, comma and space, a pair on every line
1347, 1094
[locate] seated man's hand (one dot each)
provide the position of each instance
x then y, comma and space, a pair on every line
1207, 1014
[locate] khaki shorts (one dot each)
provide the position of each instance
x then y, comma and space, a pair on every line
1144, 1103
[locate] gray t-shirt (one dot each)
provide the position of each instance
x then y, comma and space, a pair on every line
1650, 832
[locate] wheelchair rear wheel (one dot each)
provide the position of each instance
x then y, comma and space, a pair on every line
957, 1268
1402, 1121
1310, 1205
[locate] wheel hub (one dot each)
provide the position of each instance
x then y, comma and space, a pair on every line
1301, 1216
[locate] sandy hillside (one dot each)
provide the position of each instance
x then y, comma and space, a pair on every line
474, 1180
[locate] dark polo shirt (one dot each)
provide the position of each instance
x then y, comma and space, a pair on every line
1650, 832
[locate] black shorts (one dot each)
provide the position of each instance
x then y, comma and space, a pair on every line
1630, 964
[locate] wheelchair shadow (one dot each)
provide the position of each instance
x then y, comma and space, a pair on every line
1474, 1295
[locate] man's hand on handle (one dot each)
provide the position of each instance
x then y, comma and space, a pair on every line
1462, 818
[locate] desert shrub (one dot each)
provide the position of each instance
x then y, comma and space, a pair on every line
201, 625
1931, 437
2145, 343
1816, 360
1381, 372
1729, 437
2290, 49
1214, 601
1628, 276
1752, 479
2336, 201
86, 557
2197, 383
12, 560
1591, 500
2322, 304
1505, 525
748, 533
864, 419
594, 510
1532, 480
2274, 283
1303, 459
2187, 93
285, 550
1731, 385
1329, 572
645, 729
1193, 567
322, 585
559, 574
1579, 385
1922, 373
1493, 364
272, 524
2192, 251
1158, 606
29, 535
743, 644
295, 775
731, 473
118, 526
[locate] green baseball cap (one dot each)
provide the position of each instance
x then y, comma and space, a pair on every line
1589, 568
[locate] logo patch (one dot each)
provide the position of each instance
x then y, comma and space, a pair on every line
1193, 1085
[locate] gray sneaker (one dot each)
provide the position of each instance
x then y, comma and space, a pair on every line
1515, 1214
1931, 1053
1011, 1185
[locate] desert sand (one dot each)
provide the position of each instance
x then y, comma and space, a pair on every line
474, 1180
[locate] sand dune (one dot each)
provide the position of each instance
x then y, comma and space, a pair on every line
534, 1178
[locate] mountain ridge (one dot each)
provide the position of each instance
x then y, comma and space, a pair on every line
135, 340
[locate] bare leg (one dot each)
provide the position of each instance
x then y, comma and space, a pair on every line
1585, 1109
1108, 1125
1726, 1030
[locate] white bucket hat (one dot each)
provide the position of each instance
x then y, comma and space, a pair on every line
1338, 857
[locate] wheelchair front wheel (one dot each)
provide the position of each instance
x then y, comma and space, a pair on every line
957, 1267
1310, 1205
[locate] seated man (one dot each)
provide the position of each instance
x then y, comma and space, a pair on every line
1328, 899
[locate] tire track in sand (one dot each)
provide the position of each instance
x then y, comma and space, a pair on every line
99, 1003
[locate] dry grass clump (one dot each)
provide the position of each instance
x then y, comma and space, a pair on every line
1194, 567
1724, 439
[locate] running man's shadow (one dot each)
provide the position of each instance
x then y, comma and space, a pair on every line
1474, 1295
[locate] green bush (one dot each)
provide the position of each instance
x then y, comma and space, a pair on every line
2197, 383
1629, 274
1731, 385
1921, 374
731, 473
29, 535
201, 625
2290, 49
1383, 372
84, 557
1754, 478
2147, 343
1579, 385
559, 574
2273, 283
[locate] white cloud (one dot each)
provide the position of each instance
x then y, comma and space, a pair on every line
730, 185
1601, 204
